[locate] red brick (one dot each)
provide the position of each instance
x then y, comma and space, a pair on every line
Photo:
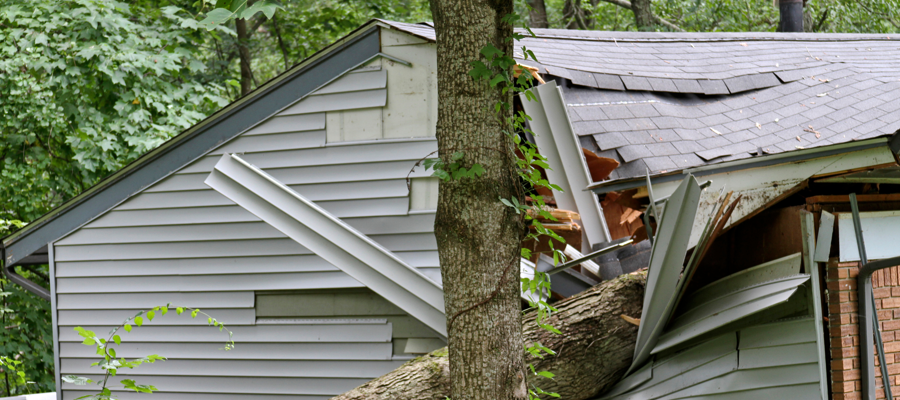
892, 302
843, 387
881, 293
841, 365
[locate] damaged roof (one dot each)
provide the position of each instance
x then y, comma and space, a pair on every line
666, 102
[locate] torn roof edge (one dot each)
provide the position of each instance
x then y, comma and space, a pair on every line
746, 163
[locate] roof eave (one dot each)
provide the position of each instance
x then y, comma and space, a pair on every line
747, 163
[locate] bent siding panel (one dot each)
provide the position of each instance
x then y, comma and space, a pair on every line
182, 243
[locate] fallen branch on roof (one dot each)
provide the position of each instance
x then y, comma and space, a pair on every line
593, 351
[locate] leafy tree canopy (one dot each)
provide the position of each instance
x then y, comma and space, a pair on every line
91, 85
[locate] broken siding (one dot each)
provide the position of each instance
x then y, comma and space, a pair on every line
776, 360
181, 242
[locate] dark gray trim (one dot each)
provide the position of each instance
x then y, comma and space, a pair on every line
867, 313
894, 142
763, 162
20, 280
195, 142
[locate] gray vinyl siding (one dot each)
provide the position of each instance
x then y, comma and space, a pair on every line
776, 360
340, 304
180, 242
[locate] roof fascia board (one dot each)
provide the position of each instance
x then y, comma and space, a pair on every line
330, 238
555, 136
738, 165
355, 49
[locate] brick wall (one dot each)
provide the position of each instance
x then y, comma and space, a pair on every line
844, 329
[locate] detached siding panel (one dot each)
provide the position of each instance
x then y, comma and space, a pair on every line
182, 243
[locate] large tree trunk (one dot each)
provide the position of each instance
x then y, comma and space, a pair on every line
594, 350
538, 14
643, 14
477, 236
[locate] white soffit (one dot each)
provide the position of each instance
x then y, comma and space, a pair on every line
330, 238
881, 233
557, 141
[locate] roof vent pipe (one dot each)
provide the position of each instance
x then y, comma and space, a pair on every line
791, 15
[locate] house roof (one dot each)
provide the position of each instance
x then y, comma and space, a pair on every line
666, 102
641, 107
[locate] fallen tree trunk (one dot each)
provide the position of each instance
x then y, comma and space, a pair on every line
594, 350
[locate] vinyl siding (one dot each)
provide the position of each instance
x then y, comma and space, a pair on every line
180, 242
776, 360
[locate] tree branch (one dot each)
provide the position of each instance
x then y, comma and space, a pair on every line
656, 18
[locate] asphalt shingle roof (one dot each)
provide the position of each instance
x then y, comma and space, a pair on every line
670, 101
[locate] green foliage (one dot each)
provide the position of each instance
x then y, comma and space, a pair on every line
836, 16
89, 85
454, 170
228, 10
26, 337
111, 365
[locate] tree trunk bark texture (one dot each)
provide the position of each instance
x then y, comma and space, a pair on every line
643, 14
538, 14
477, 236
243, 37
594, 350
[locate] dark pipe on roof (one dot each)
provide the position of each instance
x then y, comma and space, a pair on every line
791, 15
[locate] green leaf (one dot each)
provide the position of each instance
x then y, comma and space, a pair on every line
194, 313
216, 17
77, 380
268, 8
179, 310
150, 315
127, 328
89, 342
138, 321
117, 339
477, 169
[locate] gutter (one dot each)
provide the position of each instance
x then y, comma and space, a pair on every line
747, 163
20, 280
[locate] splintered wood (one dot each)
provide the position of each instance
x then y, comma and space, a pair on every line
565, 225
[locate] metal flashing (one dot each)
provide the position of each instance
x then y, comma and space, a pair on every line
330, 238
666, 263
278, 93
568, 169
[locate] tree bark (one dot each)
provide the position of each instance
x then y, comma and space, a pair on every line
477, 236
538, 14
594, 350
643, 14
243, 36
